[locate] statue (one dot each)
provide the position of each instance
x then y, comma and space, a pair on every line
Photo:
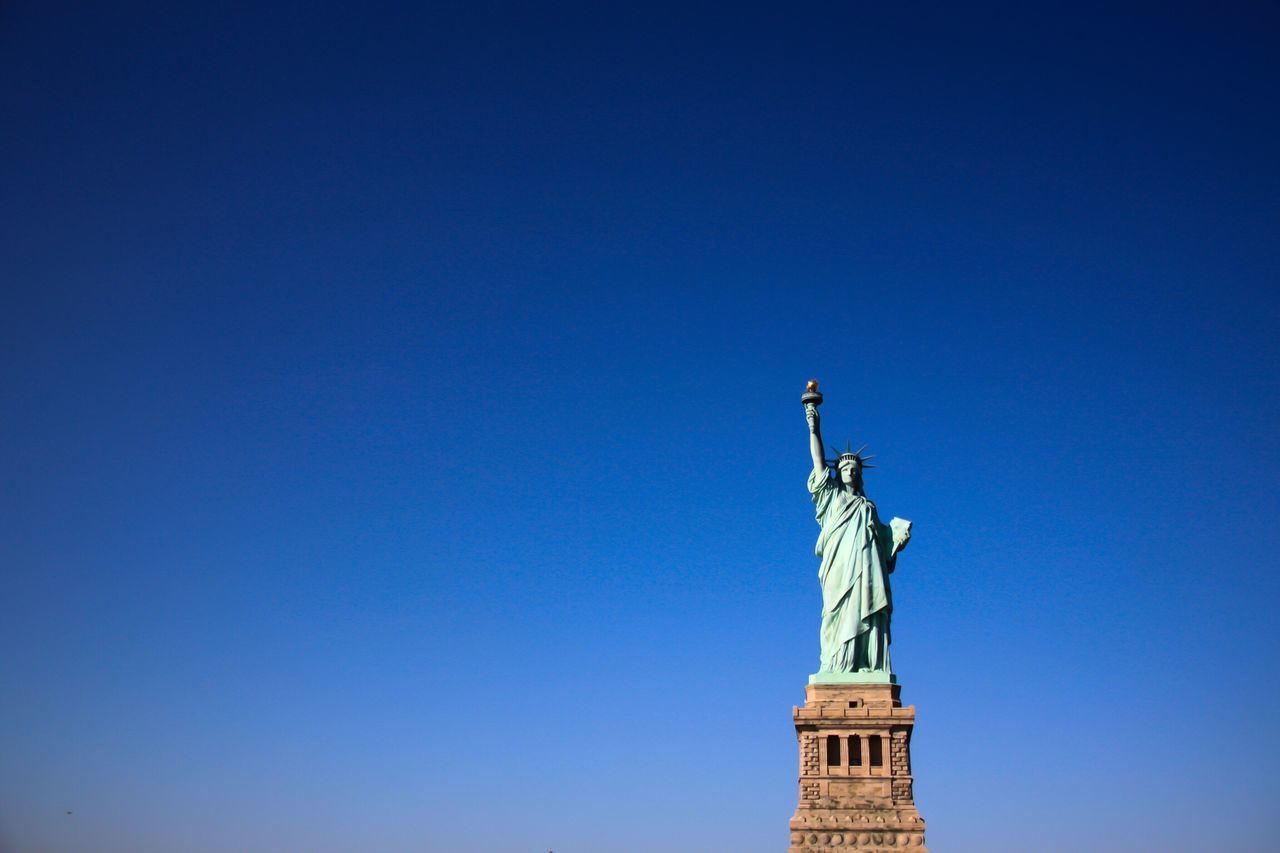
858, 554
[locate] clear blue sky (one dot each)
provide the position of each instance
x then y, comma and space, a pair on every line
402, 446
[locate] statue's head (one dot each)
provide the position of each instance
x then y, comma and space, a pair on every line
850, 465
850, 470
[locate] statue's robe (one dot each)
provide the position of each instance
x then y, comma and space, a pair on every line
857, 558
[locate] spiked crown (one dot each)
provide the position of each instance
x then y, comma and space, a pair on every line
849, 454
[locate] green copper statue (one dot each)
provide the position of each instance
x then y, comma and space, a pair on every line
858, 554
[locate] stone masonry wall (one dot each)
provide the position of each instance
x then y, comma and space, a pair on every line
809, 765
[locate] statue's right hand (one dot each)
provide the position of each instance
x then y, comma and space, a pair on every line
811, 415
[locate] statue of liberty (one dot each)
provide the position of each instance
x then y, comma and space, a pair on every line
858, 554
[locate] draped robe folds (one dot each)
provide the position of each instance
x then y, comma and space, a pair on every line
857, 558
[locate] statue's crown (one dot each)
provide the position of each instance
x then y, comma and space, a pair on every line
851, 455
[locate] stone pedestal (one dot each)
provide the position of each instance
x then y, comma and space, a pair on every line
855, 770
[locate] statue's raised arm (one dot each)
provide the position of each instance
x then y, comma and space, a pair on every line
812, 398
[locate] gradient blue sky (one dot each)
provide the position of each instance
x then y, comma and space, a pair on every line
402, 449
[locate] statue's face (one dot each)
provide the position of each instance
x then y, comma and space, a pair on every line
849, 473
